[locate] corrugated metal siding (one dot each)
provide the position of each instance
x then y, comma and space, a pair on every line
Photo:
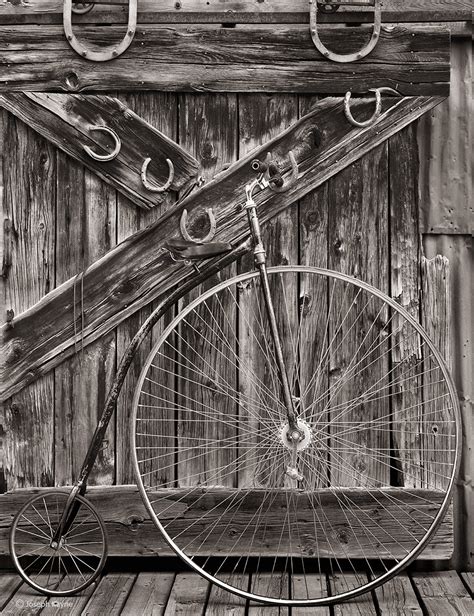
446, 221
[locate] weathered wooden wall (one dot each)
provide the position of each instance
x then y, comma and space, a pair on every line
59, 217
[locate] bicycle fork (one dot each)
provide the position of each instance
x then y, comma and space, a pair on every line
294, 434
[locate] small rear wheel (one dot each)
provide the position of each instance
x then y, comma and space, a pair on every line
58, 566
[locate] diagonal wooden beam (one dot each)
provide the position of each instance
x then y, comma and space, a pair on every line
67, 119
139, 270
247, 58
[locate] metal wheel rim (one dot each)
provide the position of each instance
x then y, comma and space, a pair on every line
402, 564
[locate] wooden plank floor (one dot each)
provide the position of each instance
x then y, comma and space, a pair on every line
187, 594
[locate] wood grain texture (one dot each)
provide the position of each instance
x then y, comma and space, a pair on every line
85, 231
284, 11
344, 582
131, 532
28, 271
397, 597
312, 585
159, 110
405, 289
43, 336
223, 602
263, 117
208, 129
149, 594
110, 595
443, 593
246, 58
358, 245
9, 584
271, 585
188, 595
67, 121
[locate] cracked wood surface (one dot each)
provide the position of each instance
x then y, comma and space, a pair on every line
245, 58
67, 119
138, 270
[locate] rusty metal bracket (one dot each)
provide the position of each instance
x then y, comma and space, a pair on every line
286, 185
105, 157
147, 184
183, 225
107, 53
349, 57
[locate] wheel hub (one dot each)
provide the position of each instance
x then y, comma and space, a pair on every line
301, 438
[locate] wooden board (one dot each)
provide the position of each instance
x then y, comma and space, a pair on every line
44, 335
398, 597
111, 593
149, 594
68, 122
188, 595
245, 58
130, 532
283, 11
443, 593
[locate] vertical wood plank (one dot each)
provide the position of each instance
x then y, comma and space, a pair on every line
110, 595
405, 285
85, 231
438, 434
29, 173
261, 117
188, 595
310, 585
358, 246
223, 602
208, 130
161, 111
313, 305
269, 585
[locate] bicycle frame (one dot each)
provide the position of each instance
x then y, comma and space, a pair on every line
294, 434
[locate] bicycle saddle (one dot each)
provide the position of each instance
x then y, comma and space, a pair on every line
192, 251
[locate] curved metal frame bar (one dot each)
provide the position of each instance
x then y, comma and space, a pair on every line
349, 57
371, 120
105, 157
183, 225
157, 189
107, 53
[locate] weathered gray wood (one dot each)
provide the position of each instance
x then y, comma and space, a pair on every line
223, 602
28, 172
67, 121
110, 594
397, 598
358, 246
85, 231
149, 594
245, 58
160, 110
130, 532
468, 578
73, 605
439, 433
284, 11
268, 585
188, 595
312, 585
9, 583
405, 288
43, 335
442, 593
263, 117
343, 582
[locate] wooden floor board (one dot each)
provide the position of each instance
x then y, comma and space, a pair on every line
442, 593
149, 594
188, 595
161, 593
397, 598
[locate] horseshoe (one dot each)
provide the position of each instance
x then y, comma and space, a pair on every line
153, 188
183, 225
105, 157
349, 57
371, 120
106, 53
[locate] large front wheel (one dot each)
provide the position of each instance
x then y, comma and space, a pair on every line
365, 487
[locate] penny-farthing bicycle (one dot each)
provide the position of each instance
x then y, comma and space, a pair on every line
261, 445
